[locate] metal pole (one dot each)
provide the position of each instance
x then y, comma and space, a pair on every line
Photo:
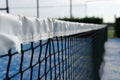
37, 8
86, 9
70, 8
115, 16
7, 6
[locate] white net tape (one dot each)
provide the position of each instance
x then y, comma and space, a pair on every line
15, 30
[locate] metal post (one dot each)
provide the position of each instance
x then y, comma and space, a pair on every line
70, 8
115, 16
37, 8
7, 6
86, 9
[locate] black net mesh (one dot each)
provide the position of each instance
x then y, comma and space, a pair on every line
59, 58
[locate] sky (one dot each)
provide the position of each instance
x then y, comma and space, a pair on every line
106, 9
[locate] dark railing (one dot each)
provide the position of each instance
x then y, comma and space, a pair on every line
75, 57
7, 7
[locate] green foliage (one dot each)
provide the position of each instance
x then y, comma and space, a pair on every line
117, 27
84, 20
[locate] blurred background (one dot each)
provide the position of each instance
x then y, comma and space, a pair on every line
106, 9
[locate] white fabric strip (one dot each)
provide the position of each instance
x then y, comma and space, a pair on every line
15, 30
10, 32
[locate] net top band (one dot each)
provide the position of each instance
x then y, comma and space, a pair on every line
15, 30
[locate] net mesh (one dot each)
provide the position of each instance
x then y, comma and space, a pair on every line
59, 58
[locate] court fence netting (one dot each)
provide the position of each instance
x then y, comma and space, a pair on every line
70, 57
